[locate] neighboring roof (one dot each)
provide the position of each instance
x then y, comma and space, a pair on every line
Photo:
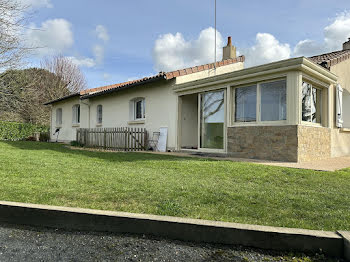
62, 98
330, 59
162, 75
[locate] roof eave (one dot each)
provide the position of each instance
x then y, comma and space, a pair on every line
61, 99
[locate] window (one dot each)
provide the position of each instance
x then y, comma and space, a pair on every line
99, 114
76, 114
273, 101
245, 104
139, 108
311, 103
270, 98
58, 116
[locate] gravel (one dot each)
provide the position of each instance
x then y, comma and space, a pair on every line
22, 243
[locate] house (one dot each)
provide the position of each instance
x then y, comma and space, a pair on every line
292, 110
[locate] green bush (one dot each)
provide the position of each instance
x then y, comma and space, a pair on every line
76, 144
13, 131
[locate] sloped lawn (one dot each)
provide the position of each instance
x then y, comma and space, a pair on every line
52, 174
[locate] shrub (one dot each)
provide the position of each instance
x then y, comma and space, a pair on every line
44, 137
30, 138
76, 144
19, 131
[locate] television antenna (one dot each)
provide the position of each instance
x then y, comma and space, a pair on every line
215, 37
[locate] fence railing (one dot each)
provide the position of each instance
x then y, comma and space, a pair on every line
119, 138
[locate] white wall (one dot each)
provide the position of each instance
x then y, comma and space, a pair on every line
67, 129
160, 104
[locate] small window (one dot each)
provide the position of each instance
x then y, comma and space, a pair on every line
58, 116
245, 104
139, 108
99, 114
273, 101
311, 103
76, 114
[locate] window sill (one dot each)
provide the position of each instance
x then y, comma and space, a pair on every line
345, 129
311, 124
136, 122
59, 126
261, 123
75, 125
98, 125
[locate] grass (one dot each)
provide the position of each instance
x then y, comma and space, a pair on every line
52, 174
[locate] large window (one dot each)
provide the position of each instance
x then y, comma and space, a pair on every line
76, 114
139, 108
99, 114
58, 116
245, 104
269, 97
311, 102
273, 101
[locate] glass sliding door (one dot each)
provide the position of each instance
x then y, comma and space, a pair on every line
212, 119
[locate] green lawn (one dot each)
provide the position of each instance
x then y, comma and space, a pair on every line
52, 174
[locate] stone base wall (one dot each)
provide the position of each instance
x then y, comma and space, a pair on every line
280, 143
314, 143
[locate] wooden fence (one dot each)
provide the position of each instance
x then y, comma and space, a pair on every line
119, 139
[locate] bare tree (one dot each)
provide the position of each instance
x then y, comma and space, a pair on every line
66, 76
12, 21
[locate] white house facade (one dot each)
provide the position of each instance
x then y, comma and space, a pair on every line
292, 110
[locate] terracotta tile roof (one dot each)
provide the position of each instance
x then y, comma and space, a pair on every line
330, 59
168, 75
120, 85
162, 75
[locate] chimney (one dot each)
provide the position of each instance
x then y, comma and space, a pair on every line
346, 45
229, 51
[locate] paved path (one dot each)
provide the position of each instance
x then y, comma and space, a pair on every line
19, 243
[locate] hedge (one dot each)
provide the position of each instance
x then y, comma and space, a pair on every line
18, 131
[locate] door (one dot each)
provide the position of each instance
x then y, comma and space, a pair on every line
212, 120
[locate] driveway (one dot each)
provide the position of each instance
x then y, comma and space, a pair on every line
20, 243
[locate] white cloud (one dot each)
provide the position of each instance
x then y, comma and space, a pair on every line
308, 48
266, 49
37, 3
337, 32
102, 33
171, 52
54, 36
82, 62
335, 35
99, 53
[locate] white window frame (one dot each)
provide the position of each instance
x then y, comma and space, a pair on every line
59, 114
258, 105
98, 115
76, 114
320, 101
143, 111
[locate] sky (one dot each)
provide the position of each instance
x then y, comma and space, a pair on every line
115, 41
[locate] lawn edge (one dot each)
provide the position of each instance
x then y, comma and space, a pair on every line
196, 230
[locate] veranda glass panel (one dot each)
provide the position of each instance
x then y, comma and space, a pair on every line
212, 119
311, 103
273, 101
245, 104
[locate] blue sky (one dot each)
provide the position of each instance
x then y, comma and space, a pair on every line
114, 41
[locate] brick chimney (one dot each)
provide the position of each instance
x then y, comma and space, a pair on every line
229, 51
346, 45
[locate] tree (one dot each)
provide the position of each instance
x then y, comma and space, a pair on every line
23, 92
67, 77
12, 21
